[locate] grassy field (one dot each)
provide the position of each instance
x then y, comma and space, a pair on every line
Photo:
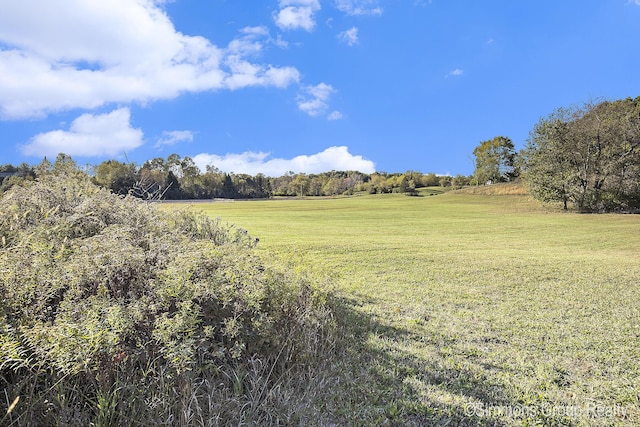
466, 309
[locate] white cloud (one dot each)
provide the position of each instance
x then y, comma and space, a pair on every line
260, 30
334, 115
85, 54
174, 137
315, 99
359, 7
349, 36
455, 73
280, 42
89, 135
333, 158
296, 14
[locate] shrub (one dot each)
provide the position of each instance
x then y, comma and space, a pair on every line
116, 313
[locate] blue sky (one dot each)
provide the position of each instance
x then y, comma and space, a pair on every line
301, 85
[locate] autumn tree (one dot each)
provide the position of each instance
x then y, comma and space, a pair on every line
117, 176
152, 182
588, 156
547, 167
460, 181
188, 175
495, 160
300, 184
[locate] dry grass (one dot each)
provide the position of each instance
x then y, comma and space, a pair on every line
501, 189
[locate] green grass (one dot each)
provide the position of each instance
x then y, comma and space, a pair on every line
465, 309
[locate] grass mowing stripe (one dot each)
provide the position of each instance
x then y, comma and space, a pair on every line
464, 308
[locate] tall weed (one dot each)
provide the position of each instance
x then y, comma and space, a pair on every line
114, 313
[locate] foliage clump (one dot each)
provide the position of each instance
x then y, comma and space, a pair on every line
114, 312
495, 161
587, 156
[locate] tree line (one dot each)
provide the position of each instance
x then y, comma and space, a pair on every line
586, 156
178, 178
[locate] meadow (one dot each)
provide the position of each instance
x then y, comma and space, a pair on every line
464, 309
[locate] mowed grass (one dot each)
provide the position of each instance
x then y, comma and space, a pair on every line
463, 309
